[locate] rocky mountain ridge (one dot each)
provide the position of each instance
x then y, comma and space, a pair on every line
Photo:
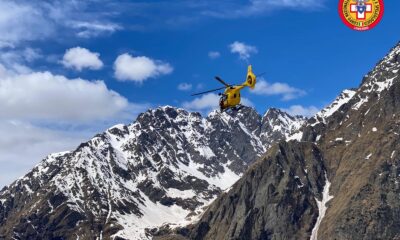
124, 183
337, 178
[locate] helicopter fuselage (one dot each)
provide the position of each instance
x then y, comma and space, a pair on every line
231, 97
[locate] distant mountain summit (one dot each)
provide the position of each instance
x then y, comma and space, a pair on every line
125, 183
336, 178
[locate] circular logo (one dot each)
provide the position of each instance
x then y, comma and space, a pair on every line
361, 15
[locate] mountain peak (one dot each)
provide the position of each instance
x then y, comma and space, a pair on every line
340, 100
387, 66
164, 167
274, 113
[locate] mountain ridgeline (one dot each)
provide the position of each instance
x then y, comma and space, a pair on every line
173, 174
128, 181
337, 178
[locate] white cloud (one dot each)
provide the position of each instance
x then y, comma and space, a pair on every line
139, 69
204, 103
287, 92
43, 113
42, 95
25, 20
15, 60
21, 22
246, 102
214, 54
23, 145
31, 54
244, 51
185, 86
80, 58
94, 29
303, 111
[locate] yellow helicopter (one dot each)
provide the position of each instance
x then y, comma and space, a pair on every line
230, 99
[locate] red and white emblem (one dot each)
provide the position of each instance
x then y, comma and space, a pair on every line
361, 15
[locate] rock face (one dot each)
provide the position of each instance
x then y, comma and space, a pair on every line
355, 141
124, 183
274, 200
360, 142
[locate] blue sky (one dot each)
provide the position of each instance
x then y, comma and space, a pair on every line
307, 53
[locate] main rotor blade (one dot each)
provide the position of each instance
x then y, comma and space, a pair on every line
208, 91
222, 81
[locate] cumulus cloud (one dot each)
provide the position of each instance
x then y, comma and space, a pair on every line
246, 102
244, 51
42, 95
214, 54
303, 111
23, 145
80, 58
287, 92
42, 113
204, 103
139, 69
185, 86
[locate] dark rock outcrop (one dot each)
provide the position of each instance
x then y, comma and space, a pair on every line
273, 200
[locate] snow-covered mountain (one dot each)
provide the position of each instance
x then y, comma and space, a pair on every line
164, 168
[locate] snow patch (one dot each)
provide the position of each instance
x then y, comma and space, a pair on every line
360, 103
51, 206
154, 214
296, 136
205, 151
176, 193
321, 208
